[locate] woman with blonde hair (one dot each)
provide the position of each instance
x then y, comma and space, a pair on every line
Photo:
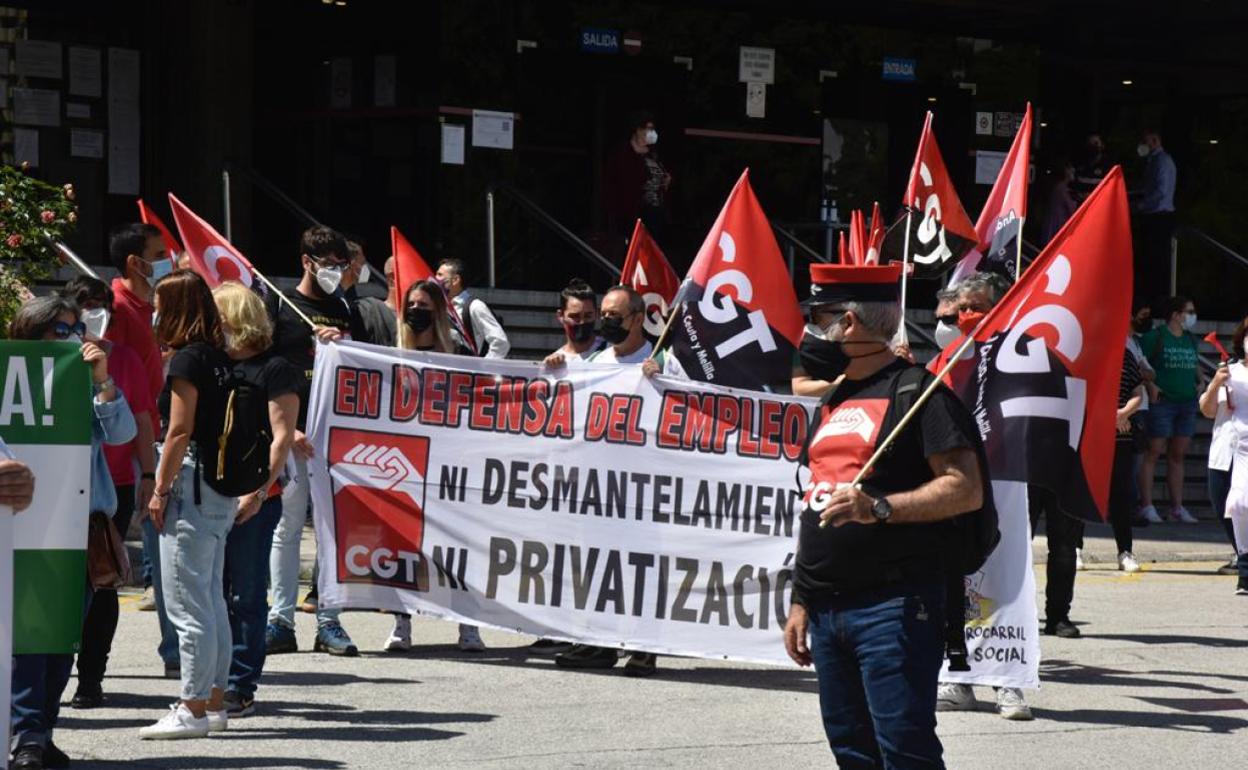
426, 326
248, 338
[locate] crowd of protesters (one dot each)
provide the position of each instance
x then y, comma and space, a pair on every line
165, 350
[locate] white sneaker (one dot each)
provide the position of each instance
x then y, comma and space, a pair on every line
1181, 515
955, 697
1127, 562
401, 637
1010, 704
470, 639
177, 724
1079, 559
1149, 514
218, 721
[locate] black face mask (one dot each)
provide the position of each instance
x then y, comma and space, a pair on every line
822, 359
580, 333
418, 318
1142, 325
613, 331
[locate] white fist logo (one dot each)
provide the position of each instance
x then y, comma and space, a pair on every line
844, 422
380, 467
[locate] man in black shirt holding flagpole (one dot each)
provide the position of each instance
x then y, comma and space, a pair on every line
869, 579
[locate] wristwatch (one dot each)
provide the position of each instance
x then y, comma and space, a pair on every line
881, 509
99, 387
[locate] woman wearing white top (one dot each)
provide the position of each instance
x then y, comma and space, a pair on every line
1226, 402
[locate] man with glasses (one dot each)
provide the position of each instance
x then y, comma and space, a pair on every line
324, 257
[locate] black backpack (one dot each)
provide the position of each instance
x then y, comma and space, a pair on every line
973, 536
239, 463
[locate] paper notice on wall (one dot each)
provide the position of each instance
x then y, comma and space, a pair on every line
37, 107
86, 143
453, 144
77, 110
756, 100
988, 165
26, 146
123, 121
384, 74
493, 129
39, 59
84, 72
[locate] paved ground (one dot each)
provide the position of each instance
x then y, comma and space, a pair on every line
1160, 680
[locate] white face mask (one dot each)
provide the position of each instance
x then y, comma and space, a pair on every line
365, 273
96, 321
1189, 321
652, 136
74, 338
328, 278
1142, 150
946, 334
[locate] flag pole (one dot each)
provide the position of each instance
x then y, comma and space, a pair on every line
1018, 259
905, 275
284, 298
914, 410
667, 327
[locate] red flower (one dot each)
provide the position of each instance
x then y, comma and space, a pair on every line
47, 216
14, 240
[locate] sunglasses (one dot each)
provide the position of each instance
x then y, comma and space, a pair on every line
62, 330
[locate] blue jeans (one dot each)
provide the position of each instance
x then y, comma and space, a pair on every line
246, 587
192, 561
168, 647
284, 559
877, 657
38, 683
1172, 419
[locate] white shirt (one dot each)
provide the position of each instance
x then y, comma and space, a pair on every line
670, 366
1228, 425
486, 330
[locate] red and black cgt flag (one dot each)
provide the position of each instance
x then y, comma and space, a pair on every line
647, 270
1000, 224
932, 216
739, 320
1043, 383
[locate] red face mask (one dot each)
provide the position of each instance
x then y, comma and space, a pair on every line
968, 320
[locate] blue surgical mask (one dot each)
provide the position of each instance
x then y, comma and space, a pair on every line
160, 268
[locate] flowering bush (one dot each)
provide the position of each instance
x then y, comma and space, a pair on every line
34, 215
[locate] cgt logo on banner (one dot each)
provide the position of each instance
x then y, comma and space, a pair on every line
587, 504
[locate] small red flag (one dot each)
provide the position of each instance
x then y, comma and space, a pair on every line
409, 266
212, 256
875, 235
842, 249
148, 217
647, 270
1000, 225
857, 238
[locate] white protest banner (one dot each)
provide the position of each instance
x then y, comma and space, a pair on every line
587, 503
1002, 629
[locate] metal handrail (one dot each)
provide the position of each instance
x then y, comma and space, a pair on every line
792, 239
74, 260
537, 212
1226, 251
268, 187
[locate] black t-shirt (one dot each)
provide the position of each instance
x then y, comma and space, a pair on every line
293, 339
274, 374
855, 557
208, 369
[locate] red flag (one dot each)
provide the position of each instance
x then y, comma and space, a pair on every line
148, 217
741, 322
1043, 384
647, 270
1000, 225
842, 249
938, 229
857, 238
409, 266
875, 235
212, 256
